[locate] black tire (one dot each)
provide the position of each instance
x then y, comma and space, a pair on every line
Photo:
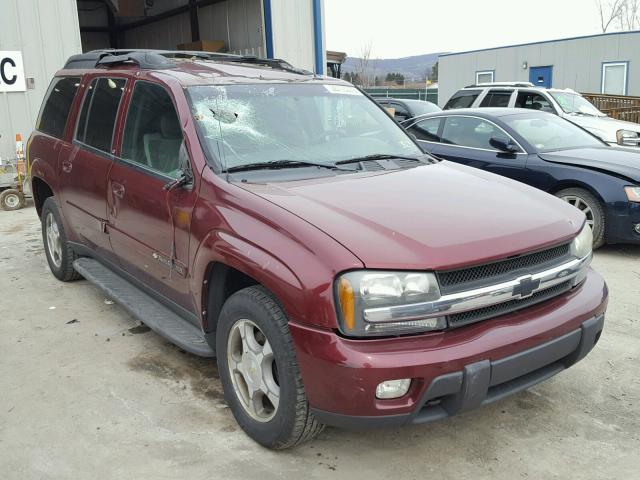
596, 211
12, 199
293, 423
62, 267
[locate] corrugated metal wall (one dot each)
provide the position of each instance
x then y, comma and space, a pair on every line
293, 32
46, 32
577, 63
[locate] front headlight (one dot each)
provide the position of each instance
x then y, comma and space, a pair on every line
582, 245
366, 299
627, 137
633, 194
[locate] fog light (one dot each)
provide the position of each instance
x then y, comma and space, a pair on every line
636, 227
393, 388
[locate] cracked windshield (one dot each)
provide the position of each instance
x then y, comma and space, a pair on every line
321, 124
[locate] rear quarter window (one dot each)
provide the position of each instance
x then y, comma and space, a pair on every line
57, 104
462, 99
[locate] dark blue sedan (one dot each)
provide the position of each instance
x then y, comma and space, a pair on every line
546, 152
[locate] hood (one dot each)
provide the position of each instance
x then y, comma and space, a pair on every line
436, 216
603, 127
621, 161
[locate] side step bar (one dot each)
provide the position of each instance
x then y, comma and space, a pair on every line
152, 313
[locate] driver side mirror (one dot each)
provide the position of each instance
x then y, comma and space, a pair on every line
504, 144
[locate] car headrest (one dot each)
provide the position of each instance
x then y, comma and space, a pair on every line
170, 126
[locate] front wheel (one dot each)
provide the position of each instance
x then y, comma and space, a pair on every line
259, 371
591, 207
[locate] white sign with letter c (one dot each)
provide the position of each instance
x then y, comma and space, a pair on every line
11, 72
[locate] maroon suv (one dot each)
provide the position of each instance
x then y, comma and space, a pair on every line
285, 224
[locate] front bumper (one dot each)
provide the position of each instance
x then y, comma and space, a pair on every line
451, 371
620, 224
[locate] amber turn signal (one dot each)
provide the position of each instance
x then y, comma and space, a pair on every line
347, 304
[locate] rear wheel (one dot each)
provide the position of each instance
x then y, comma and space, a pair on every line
259, 371
591, 207
60, 255
12, 199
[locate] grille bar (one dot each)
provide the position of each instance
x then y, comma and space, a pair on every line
502, 270
465, 318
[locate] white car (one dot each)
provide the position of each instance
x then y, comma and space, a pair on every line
565, 103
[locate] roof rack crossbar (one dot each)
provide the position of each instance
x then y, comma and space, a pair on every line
160, 59
501, 84
148, 60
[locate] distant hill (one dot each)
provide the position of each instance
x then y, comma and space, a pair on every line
411, 67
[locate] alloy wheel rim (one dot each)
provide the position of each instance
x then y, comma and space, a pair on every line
581, 205
253, 370
54, 244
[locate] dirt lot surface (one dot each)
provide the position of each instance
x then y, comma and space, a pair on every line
89, 393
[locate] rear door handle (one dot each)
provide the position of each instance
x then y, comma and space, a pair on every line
67, 165
117, 189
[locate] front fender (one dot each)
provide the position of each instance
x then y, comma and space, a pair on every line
303, 286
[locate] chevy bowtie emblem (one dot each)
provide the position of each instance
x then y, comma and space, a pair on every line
526, 287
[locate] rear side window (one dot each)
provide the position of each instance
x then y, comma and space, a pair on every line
99, 111
401, 111
57, 105
462, 99
152, 134
497, 98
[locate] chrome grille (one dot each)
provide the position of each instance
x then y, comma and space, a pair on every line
465, 318
490, 273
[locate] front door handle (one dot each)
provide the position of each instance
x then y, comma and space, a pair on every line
67, 165
117, 189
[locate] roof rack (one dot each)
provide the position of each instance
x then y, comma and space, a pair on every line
161, 59
501, 84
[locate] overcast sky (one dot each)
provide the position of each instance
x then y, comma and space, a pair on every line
402, 28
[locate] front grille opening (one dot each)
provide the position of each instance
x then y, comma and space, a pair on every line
465, 318
466, 278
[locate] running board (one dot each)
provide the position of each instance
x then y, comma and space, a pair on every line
152, 313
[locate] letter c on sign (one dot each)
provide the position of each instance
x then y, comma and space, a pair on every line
3, 74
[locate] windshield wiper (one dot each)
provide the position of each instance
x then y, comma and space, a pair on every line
279, 164
378, 156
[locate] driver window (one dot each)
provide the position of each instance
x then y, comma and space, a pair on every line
469, 132
152, 133
534, 101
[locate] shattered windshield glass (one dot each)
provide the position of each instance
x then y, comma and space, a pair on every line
248, 124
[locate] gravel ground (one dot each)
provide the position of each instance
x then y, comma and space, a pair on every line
87, 392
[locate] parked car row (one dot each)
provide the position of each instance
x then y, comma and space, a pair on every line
565, 103
285, 224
